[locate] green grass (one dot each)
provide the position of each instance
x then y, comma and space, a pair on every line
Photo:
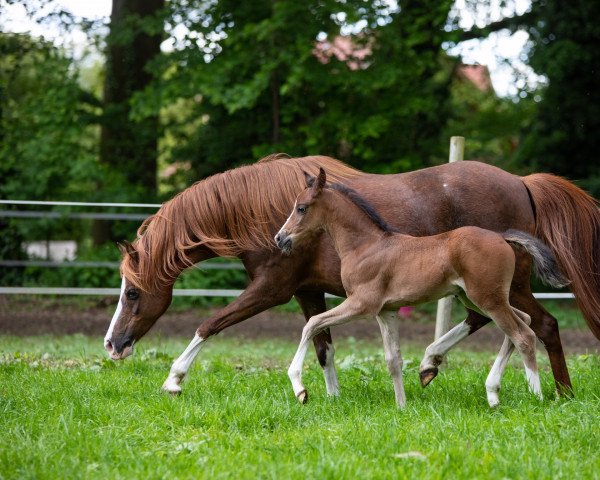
67, 412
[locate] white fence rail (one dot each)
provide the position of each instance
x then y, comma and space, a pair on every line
178, 292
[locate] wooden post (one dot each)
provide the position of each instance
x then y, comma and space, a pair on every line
444, 308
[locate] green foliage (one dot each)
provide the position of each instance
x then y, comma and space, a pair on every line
73, 414
491, 125
563, 138
48, 142
258, 85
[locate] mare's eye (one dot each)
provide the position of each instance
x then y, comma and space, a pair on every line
132, 295
301, 210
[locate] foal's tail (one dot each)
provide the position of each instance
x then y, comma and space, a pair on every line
545, 265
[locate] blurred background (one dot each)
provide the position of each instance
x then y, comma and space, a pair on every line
134, 100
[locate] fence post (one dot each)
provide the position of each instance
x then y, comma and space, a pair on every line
444, 307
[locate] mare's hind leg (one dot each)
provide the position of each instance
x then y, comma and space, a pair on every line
492, 383
390, 332
345, 312
313, 303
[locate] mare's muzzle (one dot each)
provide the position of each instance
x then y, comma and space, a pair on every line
284, 242
119, 348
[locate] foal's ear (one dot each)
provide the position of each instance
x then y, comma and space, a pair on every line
310, 180
322, 179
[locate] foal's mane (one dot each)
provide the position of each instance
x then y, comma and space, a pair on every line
229, 213
364, 205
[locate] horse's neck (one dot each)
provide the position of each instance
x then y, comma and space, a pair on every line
349, 227
201, 253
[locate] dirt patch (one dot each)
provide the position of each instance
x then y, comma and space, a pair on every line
25, 316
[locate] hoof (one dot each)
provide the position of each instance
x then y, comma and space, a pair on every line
171, 388
427, 376
302, 397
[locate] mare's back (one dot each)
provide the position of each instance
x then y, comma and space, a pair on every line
449, 196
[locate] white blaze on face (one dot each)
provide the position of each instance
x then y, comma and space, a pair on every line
116, 315
282, 229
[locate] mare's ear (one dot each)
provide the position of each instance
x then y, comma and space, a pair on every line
310, 180
127, 248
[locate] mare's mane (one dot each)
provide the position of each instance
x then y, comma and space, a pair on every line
228, 213
365, 206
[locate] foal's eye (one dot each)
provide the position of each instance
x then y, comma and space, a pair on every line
301, 210
132, 295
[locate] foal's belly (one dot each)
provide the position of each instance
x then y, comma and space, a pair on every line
411, 296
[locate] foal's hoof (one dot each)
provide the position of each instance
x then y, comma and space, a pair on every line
302, 397
427, 376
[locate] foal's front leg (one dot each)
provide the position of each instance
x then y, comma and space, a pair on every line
313, 303
345, 312
390, 332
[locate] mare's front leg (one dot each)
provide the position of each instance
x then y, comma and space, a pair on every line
262, 293
434, 353
389, 324
313, 303
345, 312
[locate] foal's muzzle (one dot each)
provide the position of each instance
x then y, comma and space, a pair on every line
284, 242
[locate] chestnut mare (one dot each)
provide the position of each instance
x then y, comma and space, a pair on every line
236, 213
383, 270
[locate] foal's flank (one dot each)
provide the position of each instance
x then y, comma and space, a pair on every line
382, 269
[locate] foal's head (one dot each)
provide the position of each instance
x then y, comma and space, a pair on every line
137, 309
305, 219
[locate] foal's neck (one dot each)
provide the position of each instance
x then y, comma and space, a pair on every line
348, 225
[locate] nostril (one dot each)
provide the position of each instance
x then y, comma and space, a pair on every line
108, 346
127, 344
277, 238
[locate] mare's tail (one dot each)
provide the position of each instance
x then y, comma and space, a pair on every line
544, 262
567, 219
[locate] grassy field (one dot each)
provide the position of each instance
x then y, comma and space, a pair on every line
67, 412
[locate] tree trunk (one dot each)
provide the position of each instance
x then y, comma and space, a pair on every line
126, 146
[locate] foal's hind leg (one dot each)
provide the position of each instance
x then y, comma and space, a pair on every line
313, 303
524, 340
345, 312
434, 353
543, 324
492, 383
390, 332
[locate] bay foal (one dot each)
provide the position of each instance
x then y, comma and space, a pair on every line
382, 270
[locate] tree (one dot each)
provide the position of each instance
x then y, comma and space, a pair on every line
564, 138
260, 85
129, 145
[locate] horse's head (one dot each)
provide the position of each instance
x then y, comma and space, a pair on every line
137, 310
305, 219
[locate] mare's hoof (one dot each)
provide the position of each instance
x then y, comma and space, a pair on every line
302, 397
172, 389
427, 376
